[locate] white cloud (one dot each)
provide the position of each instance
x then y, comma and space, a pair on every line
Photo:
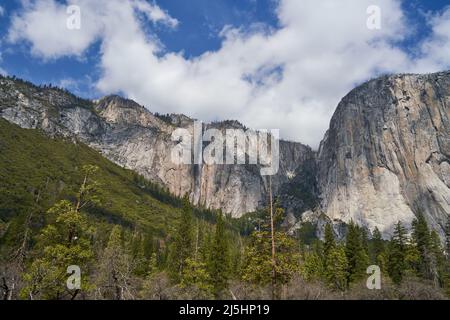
290, 78
2, 11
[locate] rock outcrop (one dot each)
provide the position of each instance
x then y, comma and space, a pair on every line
384, 159
386, 156
133, 137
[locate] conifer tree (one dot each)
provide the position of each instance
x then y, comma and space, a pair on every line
422, 241
378, 252
334, 261
115, 268
336, 266
397, 254
64, 242
329, 241
219, 259
183, 246
357, 257
196, 279
258, 266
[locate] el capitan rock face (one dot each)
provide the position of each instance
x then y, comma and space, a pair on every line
384, 159
386, 156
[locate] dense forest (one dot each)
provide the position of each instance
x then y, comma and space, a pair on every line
62, 205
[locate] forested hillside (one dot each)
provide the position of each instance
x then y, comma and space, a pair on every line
62, 204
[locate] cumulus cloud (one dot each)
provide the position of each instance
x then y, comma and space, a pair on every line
289, 78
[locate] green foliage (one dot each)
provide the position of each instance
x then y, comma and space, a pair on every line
115, 268
422, 240
54, 168
355, 250
219, 259
397, 265
336, 266
307, 233
257, 267
183, 244
64, 242
330, 242
196, 276
378, 250
312, 268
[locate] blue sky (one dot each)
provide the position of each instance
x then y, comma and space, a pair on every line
200, 24
206, 61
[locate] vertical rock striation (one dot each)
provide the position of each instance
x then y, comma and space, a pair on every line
386, 155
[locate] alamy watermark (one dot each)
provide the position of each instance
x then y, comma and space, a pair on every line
234, 146
374, 17
74, 280
374, 280
73, 21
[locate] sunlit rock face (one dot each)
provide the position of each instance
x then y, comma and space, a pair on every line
384, 159
133, 137
386, 156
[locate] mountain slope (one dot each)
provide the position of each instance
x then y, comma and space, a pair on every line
32, 164
131, 136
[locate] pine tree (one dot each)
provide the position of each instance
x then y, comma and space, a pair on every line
422, 241
378, 252
438, 264
312, 268
336, 266
329, 241
357, 257
257, 268
137, 252
64, 242
115, 268
397, 254
195, 277
183, 246
219, 259
334, 261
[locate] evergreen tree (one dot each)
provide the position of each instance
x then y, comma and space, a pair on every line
422, 241
137, 252
336, 266
357, 257
115, 268
64, 242
219, 259
397, 254
334, 261
257, 266
195, 277
438, 263
329, 242
312, 268
183, 246
378, 252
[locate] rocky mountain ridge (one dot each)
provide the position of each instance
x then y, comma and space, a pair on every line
384, 159
133, 137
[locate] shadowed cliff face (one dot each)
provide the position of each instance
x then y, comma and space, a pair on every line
133, 137
386, 156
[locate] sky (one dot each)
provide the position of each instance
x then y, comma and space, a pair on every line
271, 64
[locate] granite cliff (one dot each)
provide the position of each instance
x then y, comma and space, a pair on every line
385, 157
